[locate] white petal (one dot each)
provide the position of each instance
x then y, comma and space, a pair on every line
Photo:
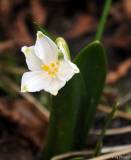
35, 81
76, 69
33, 62
54, 86
46, 49
67, 70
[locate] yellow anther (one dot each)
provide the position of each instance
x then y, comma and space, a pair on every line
40, 35
54, 75
46, 68
56, 69
52, 65
49, 72
57, 62
25, 88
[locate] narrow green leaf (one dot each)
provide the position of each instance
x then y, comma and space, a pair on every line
66, 126
43, 31
103, 20
98, 145
92, 64
97, 151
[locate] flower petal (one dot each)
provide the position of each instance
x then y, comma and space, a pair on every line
33, 62
54, 86
46, 49
76, 69
67, 70
35, 81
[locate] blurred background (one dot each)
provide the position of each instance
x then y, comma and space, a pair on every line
23, 127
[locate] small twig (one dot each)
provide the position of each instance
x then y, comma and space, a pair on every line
77, 153
6, 45
114, 154
114, 149
121, 71
117, 113
114, 131
89, 152
27, 96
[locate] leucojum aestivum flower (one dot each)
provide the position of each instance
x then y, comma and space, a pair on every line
46, 71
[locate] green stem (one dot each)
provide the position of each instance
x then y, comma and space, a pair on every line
99, 143
103, 20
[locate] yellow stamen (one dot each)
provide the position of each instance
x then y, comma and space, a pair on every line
25, 88
52, 65
49, 72
40, 35
46, 68
54, 75
56, 69
58, 63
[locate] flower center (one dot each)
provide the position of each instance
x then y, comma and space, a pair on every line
52, 69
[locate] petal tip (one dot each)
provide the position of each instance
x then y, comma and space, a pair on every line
40, 34
24, 88
77, 71
25, 49
54, 93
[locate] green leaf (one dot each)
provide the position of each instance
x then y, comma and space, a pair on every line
44, 31
103, 20
66, 126
98, 145
93, 66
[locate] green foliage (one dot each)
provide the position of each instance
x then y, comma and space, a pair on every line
103, 20
66, 126
93, 66
70, 119
99, 143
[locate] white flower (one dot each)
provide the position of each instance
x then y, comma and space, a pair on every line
46, 72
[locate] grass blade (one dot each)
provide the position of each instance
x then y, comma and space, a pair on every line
99, 143
103, 20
